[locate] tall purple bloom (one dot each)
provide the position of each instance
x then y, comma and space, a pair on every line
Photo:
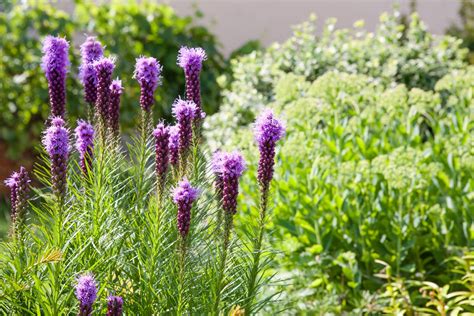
56, 143
19, 184
55, 64
85, 144
184, 112
174, 145
114, 306
104, 68
114, 105
184, 196
148, 74
161, 134
268, 130
190, 59
86, 293
228, 168
91, 51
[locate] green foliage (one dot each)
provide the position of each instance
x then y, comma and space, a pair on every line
393, 54
466, 29
128, 29
372, 174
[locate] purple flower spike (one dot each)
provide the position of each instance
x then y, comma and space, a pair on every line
114, 105
86, 293
104, 68
174, 145
85, 144
162, 135
114, 306
56, 143
91, 50
184, 196
228, 168
268, 130
147, 72
55, 64
19, 184
190, 59
184, 112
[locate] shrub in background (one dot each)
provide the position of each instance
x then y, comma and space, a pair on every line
130, 30
117, 231
392, 54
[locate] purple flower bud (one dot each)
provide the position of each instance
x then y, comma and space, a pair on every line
268, 130
174, 145
147, 72
104, 68
228, 168
114, 105
162, 135
184, 112
190, 59
91, 50
114, 306
55, 63
56, 143
84, 144
184, 196
19, 184
86, 293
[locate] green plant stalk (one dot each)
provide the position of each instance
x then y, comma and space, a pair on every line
257, 250
223, 258
145, 130
181, 277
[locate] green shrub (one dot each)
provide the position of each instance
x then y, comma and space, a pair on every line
128, 30
374, 174
391, 55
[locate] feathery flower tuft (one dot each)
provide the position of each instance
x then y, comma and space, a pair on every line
91, 51
55, 64
184, 196
86, 293
116, 90
162, 135
184, 112
114, 306
174, 145
148, 74
104, 68
84, 144
268, 130
228, 168
19, 184
190, 59
56, 143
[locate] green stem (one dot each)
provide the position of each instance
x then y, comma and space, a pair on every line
225, 247
181, 277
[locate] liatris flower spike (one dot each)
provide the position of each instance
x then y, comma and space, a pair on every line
190, 59
104, 68
184, 112
268, 130
19, 184
184, 196
148, 74
216, 168
86, 293
114, 105
228, 167
91, 51
55, 64
114, 306
174, 145
56, 143
161, 134
84, 144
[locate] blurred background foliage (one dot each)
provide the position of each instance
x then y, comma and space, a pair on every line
128, 29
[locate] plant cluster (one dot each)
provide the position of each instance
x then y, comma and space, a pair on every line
125, 27
145, 231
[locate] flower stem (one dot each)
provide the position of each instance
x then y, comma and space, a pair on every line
223, 258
